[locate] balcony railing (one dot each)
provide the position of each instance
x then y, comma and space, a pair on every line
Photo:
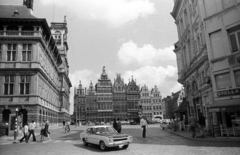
19, 33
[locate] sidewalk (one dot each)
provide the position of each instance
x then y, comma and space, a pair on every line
10, 139
188, 135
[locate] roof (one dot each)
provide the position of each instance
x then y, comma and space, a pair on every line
7, 11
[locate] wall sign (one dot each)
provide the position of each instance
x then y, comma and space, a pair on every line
228, 92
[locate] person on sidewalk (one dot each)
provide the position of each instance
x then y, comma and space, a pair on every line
31, 130
144, 124
42, 131
115, 125
119, 126
192, 123
25, 133
63, 124
47, 133
202, 124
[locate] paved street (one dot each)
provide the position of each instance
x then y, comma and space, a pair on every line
158, 141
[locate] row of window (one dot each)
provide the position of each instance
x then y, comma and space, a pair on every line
150, 100
151, 107
12, 52
24, 85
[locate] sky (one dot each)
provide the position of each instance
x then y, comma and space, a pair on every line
132, 37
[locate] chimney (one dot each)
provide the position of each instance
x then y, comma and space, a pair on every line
29, 5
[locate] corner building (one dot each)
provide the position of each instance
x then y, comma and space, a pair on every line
208, 60
33, 69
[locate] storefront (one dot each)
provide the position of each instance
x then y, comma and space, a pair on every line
225, 117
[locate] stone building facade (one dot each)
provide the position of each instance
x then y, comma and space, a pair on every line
31, 65
208, 59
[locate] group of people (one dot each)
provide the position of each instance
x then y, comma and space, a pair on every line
193, 123
117, 125
28, 130
66, 126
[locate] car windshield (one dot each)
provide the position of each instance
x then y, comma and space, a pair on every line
101, 130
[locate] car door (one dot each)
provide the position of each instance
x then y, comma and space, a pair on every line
92, 136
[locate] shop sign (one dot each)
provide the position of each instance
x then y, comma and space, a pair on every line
228, 92
214, 110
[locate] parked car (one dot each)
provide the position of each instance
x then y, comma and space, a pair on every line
105, 136
164, 124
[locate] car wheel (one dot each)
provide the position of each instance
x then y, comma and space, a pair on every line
85, 143
125, 146
102, 146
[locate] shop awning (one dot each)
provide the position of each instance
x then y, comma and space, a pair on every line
225, 103
182, 107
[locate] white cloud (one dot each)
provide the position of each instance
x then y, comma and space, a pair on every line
114, 12
130, 53
164, 78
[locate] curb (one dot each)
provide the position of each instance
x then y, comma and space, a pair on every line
206, 140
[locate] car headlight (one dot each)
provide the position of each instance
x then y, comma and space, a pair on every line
130, 138
110, 140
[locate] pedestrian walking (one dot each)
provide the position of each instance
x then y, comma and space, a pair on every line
32, 126
202, 124
115, 125
119, 126
42, 132
47, 133
193, 123
25, 130
144, 124
63, 124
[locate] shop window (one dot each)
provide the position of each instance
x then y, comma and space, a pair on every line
9, 85
234, 37
237, 77
223, 81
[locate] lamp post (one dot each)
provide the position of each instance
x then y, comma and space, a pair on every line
15, 126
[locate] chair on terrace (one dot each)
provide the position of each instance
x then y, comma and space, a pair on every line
224, 130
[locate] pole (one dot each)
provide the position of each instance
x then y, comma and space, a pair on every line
15, 127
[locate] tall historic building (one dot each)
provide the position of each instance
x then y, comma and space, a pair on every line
119, 98
33, 67
104, 98
191, 53
208, 59
133, 99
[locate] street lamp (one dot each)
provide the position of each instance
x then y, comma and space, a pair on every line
15, 126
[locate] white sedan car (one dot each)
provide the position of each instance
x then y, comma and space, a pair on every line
105, 136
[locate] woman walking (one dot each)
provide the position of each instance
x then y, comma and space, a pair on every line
47, 133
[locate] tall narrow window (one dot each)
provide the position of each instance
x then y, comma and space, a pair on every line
24, 84
8, 85
26, 52
11, 52
237, 77
234, 37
